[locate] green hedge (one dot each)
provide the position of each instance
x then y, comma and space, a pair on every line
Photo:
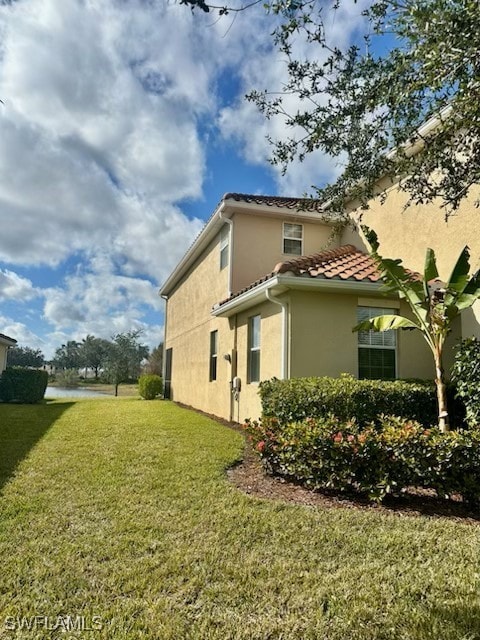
375, 460
466, 374
23, 385
150, 386
346, 397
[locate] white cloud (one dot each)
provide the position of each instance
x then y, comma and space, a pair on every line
98, 300
243, 123
21, 333
86, 132
15, 287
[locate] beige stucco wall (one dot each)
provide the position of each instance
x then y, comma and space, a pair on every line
258, 245
188, 326
407, 233
248, 405
3, 357
323, 342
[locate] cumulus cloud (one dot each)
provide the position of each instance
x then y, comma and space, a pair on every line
21, 333
243, 123
15, 287
88, 128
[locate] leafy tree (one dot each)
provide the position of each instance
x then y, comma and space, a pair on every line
154, 364
68, 356
93, 352
124, 358
416, 61
434, 306
25, 357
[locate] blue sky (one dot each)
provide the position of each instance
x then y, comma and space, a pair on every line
123, 124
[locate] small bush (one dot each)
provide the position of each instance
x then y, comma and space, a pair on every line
27, 386
346, 398
67, 378
150, 386
466, 375
389, 457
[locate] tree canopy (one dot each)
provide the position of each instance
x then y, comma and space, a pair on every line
124, 358
68, 356
411, 82
25, 357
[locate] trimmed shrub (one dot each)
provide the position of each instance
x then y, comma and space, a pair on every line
150, 386
466, 375
346, 398
377, 460
26, 386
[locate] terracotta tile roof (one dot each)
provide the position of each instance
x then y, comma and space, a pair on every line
345, 263
296, 204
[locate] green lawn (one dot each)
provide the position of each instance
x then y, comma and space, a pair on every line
121, 509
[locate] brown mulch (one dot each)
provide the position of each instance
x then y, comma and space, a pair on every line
250, 477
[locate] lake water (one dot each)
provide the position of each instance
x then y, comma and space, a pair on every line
59, 392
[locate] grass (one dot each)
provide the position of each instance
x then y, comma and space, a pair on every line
124, 390
121, 509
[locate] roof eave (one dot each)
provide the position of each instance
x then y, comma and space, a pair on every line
207, 234
225, 209
282, 283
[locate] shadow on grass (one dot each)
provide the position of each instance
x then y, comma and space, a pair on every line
461, 620
21, 427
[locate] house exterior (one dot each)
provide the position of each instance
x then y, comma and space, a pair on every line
5, 344
406, 232
272, 288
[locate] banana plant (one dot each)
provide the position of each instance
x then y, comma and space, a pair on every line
434, 305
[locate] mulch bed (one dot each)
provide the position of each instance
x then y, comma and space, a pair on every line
250, 477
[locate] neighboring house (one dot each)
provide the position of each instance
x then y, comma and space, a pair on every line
5, 344
269, 288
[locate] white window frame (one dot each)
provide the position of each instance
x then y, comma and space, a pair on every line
213, 359
285, 236
383, 335
224, 247
253, 348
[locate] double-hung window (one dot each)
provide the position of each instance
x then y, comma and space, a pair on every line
253, 349
376, 349
224, 242
213, 355
292, 239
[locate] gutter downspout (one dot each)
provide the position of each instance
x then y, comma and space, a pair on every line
164, 359
229, 221
284, 305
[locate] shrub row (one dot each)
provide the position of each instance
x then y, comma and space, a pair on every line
150, 386
376, 460
23, 385
466, 374
346, 397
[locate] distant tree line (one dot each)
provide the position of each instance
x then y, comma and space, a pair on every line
117, 360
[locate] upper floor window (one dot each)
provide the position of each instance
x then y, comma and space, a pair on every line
376, 349
224, 242
213, 355
293, 238
253, 349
